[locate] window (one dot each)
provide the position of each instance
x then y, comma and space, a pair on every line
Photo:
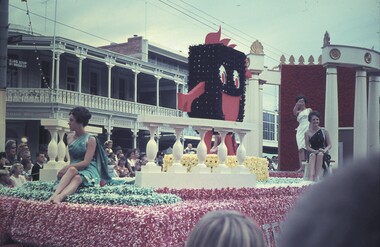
121, 88
71, 81
94, 83
12, 71
268, 126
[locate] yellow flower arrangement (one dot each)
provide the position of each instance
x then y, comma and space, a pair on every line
256, 165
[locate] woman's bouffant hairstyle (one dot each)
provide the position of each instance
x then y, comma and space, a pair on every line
9, 144
224, 228
301, 96
313, 113
81, 114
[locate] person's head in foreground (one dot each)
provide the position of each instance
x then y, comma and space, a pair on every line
342, 210
225, 228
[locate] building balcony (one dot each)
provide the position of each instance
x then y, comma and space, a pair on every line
95, 102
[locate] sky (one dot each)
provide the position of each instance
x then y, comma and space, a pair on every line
284, 27
289, 27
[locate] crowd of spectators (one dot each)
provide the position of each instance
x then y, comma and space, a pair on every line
16, 165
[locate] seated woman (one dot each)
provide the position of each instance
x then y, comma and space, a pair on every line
132, 160
83, 169
27, 171
122, 168
318, 143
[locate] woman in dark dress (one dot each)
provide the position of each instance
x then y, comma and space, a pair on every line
318, 143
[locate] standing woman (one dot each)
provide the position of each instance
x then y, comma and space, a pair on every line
83, 170
318, 143
301, 112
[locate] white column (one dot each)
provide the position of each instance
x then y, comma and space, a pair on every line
136, 72
109, 79
261, 118
50, 171
240, 155
135, 132
81, 55
157, 90
177, 167
222, 154
332, 112
176, 98
58, 54
201, 153
252, 115
151, 152
373, 115
62, 150
109, 131
360, 115
80, 75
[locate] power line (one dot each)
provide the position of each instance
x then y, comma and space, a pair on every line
65, 25
206, 24
281, 52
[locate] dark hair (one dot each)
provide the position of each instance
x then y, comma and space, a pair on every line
313, 113
38, 153
24, 162
81, 114
301, 96
225, 228
121, 159
9, 144
133, 150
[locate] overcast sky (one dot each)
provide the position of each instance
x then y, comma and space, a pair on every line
289, 27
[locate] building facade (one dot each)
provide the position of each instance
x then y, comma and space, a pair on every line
48, 76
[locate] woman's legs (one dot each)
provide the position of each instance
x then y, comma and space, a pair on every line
301, 157
312, 160
70, 189
64, 182
318, 165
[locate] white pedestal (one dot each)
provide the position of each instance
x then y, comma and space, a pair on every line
200, 169
151, 168
222, 169
240, 169
49, 174
195, 181
177, 169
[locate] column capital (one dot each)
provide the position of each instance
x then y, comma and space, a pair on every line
59, 49
361, 73
81, 53
136, 71
110, 62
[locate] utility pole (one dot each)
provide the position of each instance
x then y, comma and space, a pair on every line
4, 11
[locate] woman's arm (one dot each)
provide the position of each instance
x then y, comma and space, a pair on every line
91, 146
295, 110
328, 141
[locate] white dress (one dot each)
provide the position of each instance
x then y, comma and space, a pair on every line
303, 126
